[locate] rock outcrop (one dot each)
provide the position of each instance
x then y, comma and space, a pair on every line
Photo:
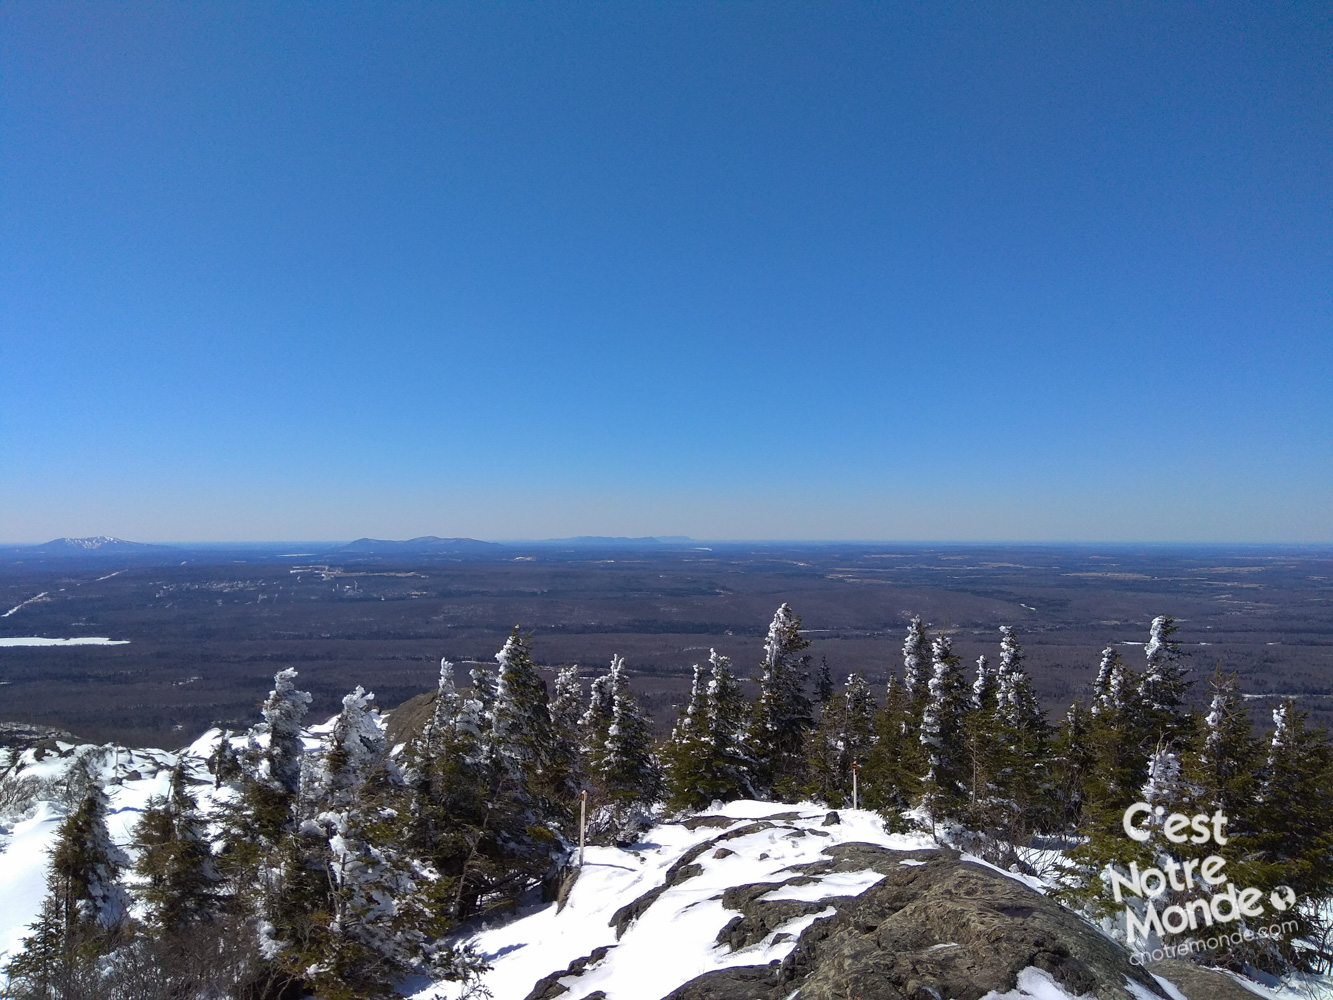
936, 926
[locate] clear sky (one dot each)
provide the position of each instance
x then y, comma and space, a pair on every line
1035, 271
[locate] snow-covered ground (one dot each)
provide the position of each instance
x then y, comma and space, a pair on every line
673, 942
83, 640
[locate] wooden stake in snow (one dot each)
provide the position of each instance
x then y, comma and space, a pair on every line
854, 769
583, 822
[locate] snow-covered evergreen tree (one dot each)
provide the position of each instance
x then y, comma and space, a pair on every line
86, 866
179, 882
283, 712
941, 730
730, 765
1225, 766
984, 686
824, 682
845, 735
783, 711
1161, 689
564, 777
916, 659
629, 772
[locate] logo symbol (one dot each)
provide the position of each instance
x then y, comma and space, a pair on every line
1283, 898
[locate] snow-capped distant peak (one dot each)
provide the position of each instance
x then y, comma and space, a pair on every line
94, 542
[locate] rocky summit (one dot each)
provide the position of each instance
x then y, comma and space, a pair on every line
767, 902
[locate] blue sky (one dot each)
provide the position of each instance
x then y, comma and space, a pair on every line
890, 271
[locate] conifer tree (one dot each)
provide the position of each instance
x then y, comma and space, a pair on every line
1161, 690
1225, 766
824, 682
629, 772
688, 753
179, 882
1073, 759
984, 686
85, 868
845, 735
783, 711
916, 672
942, 731
270, 788
730, 767
1020, 763
891, 778
564, 775
1292, 838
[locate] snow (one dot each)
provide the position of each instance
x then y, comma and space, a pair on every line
23, 874
674, 940
1037, 984
20, 605
83, 640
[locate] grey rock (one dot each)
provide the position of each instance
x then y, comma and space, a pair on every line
942, 928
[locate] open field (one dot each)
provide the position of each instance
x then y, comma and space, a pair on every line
207, 630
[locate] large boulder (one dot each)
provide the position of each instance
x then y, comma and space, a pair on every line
935, 927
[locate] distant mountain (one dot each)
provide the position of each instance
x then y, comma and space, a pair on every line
620, 541
95, 545
425, 544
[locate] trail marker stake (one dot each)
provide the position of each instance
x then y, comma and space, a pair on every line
855, 767
583, 822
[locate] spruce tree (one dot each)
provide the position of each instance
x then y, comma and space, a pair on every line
824, 682
1162, 687
941, 733
891, 778
1019, 761
1225, 766
689, 751
844, 736
1292, 838
629, 772
729, 774
916, 673
179, 883
782, 713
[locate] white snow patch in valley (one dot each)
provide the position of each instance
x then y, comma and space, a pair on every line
21, 604
83, 640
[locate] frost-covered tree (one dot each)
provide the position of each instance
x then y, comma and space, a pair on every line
1016, 704
1162, 687
596, 720
564, 776
629, 772
179, 883
845, 735
1225, 766
689, 751
783, 710
947, 701
273, 780
916, 659
283, 712
824, 682
984, 687
1109, 689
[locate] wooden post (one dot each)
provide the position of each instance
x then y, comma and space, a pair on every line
583, 822
854, 789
